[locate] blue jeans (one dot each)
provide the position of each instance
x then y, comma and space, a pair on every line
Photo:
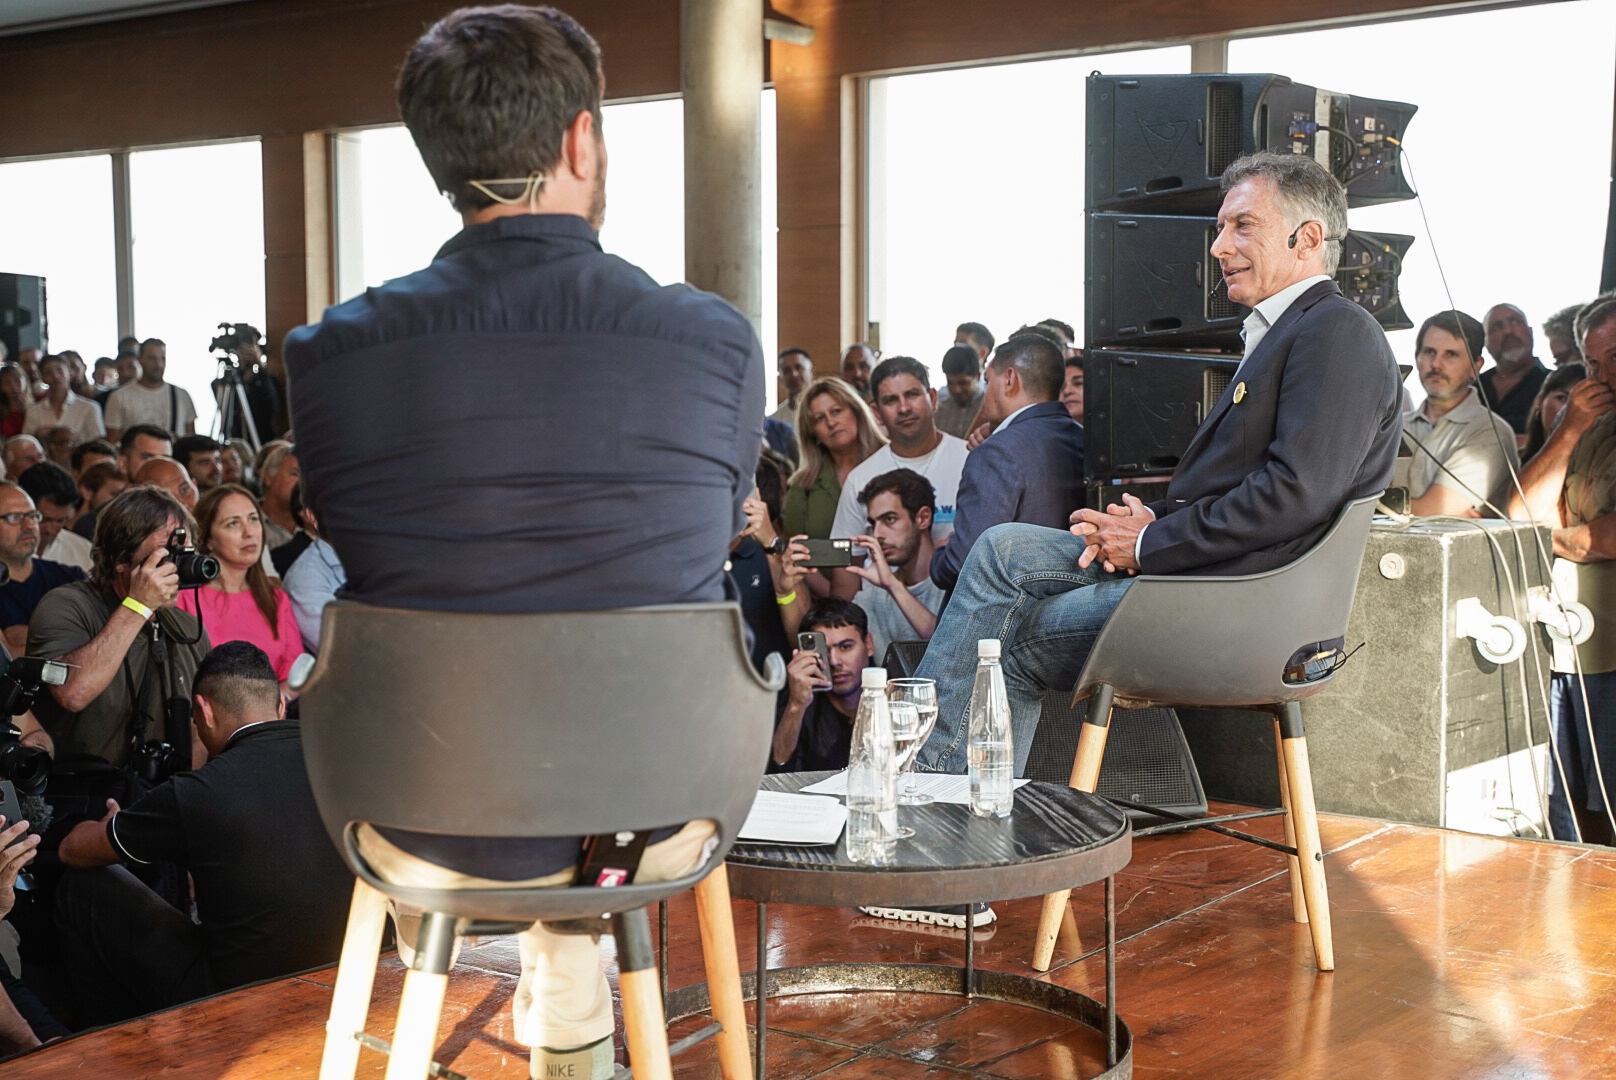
1022, 585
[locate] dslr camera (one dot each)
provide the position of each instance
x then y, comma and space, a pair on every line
232, 337
27, 767
195, 569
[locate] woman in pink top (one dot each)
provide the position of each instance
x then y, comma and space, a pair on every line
243, 603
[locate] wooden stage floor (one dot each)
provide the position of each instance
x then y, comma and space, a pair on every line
1458, 956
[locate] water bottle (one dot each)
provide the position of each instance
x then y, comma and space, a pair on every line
990, 752
872, 777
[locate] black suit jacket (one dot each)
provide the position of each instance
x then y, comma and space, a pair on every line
1316, 426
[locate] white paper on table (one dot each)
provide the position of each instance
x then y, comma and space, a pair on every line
942, 787
785, 817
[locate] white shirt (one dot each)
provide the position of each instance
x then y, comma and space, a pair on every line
69, 549
942, 467
79, 415
137, 404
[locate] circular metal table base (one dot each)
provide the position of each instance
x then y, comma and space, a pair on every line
924, 979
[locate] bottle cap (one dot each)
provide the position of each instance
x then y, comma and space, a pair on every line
875, 678
987, 649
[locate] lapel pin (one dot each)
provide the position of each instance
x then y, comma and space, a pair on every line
1239, 393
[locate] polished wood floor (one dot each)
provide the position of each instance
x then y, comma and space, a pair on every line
1458, 956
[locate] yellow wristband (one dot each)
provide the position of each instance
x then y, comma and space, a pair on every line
137, 607
788, 599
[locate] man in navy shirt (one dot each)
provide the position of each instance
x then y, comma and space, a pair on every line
524, 338
31, 578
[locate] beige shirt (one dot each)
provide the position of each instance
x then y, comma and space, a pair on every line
1590, 492
1475, 444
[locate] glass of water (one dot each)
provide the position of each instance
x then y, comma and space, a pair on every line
920, 695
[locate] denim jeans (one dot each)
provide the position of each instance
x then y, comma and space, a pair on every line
1022, 585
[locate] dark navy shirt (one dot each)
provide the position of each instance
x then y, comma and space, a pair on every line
18, 599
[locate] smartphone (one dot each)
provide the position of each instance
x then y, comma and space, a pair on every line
815, 642
828, 553
12, 809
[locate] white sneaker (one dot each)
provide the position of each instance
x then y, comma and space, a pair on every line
950, 915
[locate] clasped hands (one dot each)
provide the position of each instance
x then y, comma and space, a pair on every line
1110, 536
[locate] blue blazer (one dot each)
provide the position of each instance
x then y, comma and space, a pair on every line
1029, 471
1317, 425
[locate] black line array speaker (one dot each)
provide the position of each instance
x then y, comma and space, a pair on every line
1159, 143
1142, 408
22, 312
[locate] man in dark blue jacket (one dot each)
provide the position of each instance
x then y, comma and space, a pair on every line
1031, 468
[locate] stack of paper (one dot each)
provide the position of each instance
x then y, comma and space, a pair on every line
784, 817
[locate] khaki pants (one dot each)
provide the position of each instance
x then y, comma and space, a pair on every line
562, 1000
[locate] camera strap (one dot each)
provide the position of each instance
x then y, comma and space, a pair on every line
611, 859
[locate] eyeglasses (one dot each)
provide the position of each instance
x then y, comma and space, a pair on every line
18, 517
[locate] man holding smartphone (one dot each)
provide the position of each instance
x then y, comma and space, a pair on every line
815, 730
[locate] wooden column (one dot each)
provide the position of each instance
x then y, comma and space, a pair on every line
297, 234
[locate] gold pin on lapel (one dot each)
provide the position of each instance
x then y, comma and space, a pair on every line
1239, 392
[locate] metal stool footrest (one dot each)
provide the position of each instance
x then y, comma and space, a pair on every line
382, 1046
1179, 823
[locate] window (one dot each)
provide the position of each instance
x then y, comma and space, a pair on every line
976, 197
1510, 148
73, 250
197, 219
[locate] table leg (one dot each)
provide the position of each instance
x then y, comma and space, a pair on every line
970, 950
662, 950
762, 979
1110, 972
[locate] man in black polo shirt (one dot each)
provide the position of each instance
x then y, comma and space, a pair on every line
815, 730
271, 892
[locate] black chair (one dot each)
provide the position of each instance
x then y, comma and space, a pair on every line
1257, 641
570, 724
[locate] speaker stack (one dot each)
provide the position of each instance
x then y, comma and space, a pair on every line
1161, 336
22, 313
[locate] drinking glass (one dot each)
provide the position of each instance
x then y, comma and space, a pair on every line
921, 694
906, 740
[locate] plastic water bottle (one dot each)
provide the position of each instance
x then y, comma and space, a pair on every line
872, 777
991, 754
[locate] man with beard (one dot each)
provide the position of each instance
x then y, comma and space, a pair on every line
521, 324
1510, 388
1463, 454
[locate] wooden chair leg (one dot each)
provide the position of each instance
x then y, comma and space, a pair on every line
1085, 777
1308, 845
717, 920
644, 1027
421, 1004
356, 973
1298, 900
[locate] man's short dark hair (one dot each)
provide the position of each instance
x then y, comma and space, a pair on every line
187, 445
104, 362
489, 92
795, 350
1075, 360
235, 677
1040, 362
126, 441
977, 333
1048, 333
961, 360
48, 480
833, 613
125, 522
771, 473
1466, 327
128, 344
913, 490
151, 341
1064, 328
898, 365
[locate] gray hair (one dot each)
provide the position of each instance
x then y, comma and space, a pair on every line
1594, 314
1561, 323
1305, 190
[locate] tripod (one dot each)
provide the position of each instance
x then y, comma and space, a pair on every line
230, 395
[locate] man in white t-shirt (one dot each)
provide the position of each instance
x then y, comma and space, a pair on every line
61, 407
905, 402
149, 400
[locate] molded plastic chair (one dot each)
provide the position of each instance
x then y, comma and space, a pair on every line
1257, 641
556, 724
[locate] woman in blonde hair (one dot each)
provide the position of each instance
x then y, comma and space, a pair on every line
835, 431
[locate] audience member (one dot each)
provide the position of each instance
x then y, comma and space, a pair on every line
280, 559
263, 390
1568, 487
202, 458
61, 407
78, 376
149, 400
1068, 340
99, 485
1559, 330
113, 698
796, 370
28, 358
835, 431
141, 443
857, 362
757, 575
128, 345
1550, 403
128, 368
167, 474
57, 499
30, 576
1509, 387
977, 337
24, 1022
815, 730
242, 603
59, 444
271, 891
1071, 395
899, 599
232, 465
1031, 469
279, 473
780, 438
312, 582
90, 453
14, 400
956, 412
105, 378
1463, 454
21, 453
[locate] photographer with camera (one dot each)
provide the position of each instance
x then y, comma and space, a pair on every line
133, 654
259, 381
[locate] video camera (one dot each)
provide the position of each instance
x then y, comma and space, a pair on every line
233, 337
27, 767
